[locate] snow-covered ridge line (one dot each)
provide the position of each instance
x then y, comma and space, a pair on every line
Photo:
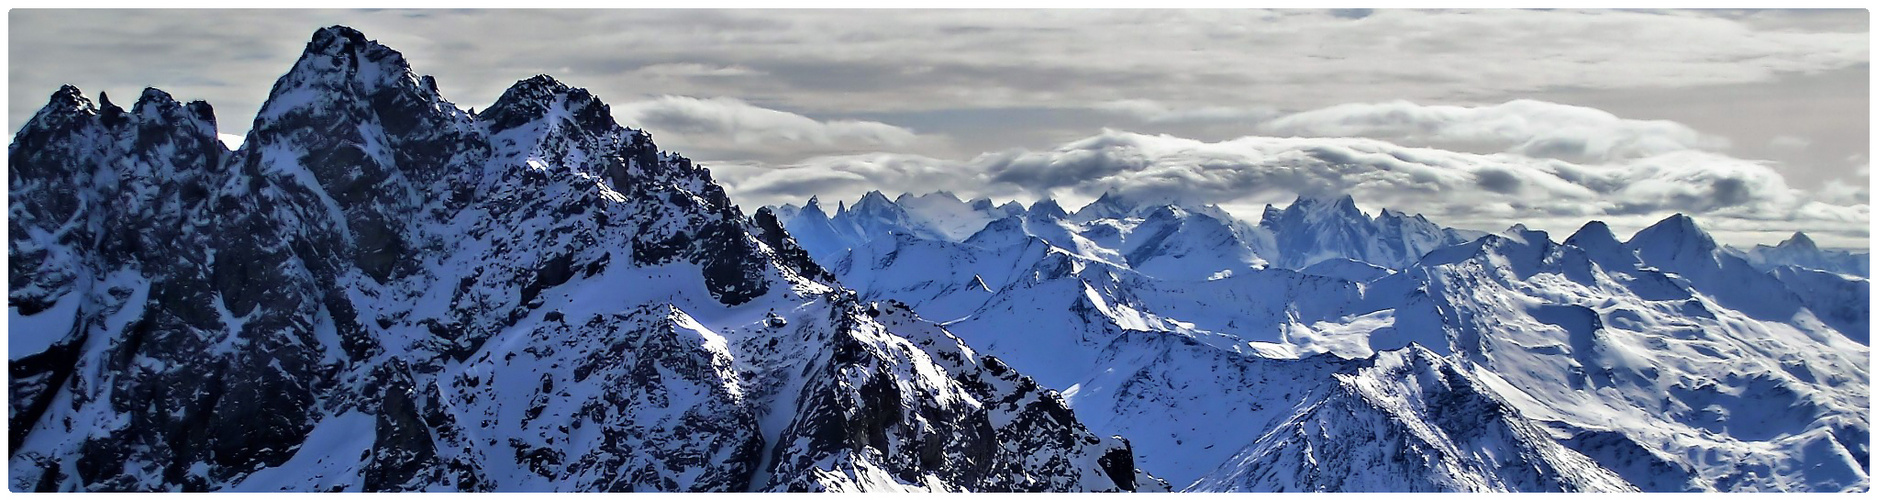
1217, 357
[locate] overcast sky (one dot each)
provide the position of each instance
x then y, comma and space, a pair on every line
1756, 122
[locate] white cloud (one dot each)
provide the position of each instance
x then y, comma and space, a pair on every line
233, 141
744, 124
1393, 175
1839, 192
1484, 191
848, 176
730, 129
1527, 127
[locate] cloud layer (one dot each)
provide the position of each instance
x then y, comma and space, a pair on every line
1485, 191
852, 61
736, 129
740, 123
1527, 127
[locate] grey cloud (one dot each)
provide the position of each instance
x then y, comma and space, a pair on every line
1498, 181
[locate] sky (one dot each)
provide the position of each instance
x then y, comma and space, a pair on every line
1755, 122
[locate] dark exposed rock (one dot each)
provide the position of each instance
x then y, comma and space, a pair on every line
367, 295
402, 451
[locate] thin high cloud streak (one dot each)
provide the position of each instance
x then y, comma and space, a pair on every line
1743, 201
1527, 127
835, 62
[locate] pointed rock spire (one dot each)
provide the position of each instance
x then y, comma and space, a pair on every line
109, 113
813, 209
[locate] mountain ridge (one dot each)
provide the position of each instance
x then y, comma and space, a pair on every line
360, 299
1145, 353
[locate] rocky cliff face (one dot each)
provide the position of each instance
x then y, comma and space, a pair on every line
380, 291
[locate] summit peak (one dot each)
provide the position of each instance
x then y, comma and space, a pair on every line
1799, 241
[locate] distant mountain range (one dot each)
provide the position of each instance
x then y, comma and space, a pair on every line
1325, 349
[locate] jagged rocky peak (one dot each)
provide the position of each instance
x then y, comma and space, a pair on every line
935, 196
1110, 205
71, 138
535, 98
1319, 206
873, 202
67, 112
66, 102
1314, 228
353, 114
813, 208
329, 317
1047, 209
340, 64
70, 163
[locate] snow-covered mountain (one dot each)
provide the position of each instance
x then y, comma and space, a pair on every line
1799, 251
1313, 230
1186, 239
380, 291
1503, 362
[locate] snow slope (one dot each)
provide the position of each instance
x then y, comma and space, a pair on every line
1664, 363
